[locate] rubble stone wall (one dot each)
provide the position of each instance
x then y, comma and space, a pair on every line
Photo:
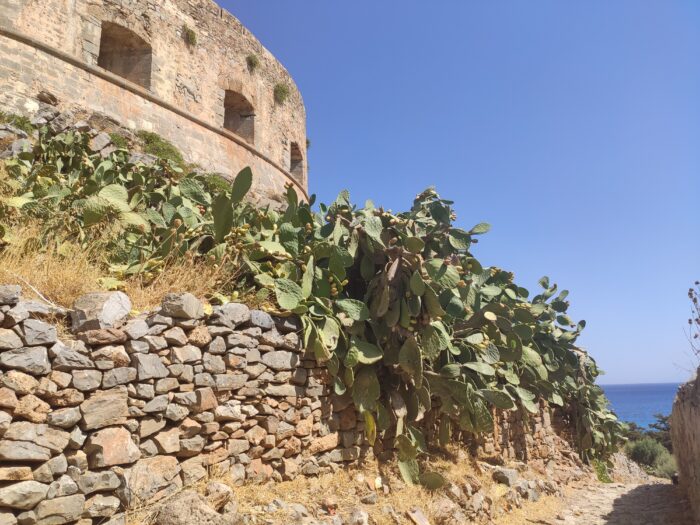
521, 436
124, 410
131, 410
685, 433
54, 46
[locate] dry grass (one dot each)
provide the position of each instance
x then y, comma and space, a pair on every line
199, 279
346, 486
61, 275
47, 274
541, 511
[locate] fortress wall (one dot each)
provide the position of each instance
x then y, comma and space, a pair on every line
54, 45
25, 71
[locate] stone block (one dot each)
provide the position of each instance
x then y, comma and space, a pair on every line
111, 446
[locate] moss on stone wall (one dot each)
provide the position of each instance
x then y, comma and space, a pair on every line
154, 144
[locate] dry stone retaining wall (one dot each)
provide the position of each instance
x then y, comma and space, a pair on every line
132, 410
685, 433
126, 410
521, 436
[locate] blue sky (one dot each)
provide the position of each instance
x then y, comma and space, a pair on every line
573, 128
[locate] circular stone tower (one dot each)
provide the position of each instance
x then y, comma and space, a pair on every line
184, 69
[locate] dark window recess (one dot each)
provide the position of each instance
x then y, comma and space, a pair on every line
126, 54
239, 116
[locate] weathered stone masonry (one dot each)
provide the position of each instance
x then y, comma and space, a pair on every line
685, 433
132, 410
131, 60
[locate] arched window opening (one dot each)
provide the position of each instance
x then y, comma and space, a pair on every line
126, 54
239, 116
296, 162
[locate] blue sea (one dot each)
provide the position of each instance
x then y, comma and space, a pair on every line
639, 403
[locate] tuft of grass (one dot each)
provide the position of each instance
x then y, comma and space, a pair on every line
252, 61
601, 471
18, 121
154, 144
197, 277
189, 35
281, 93
62, 273
119, 140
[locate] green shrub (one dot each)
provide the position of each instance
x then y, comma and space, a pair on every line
154, 144
408, 322
646, 451
281, 93
18, 121
665, 465
601, 471
252, 61
119, 140
660, 430
189, 35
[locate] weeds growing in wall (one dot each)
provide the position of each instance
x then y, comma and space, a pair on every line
426, 340
119, 140
189, 35
252, 61
601, 471
281, 93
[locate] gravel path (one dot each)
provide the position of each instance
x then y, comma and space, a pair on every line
623, 504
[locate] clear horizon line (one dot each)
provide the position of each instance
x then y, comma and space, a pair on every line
657, 383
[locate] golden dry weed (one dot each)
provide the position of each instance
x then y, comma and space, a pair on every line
347, 486
60, 275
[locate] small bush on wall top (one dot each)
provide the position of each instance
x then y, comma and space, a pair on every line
652, 455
